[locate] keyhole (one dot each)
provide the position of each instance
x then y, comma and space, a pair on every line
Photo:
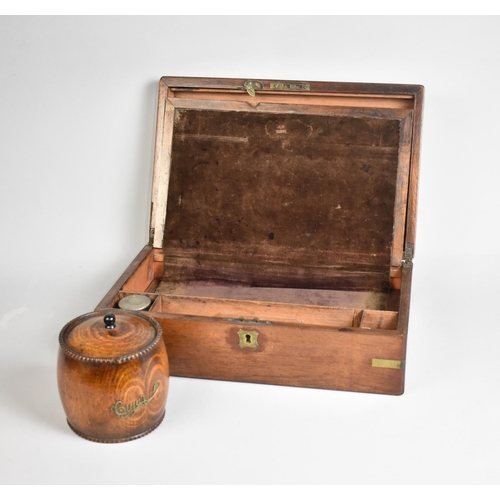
248, 339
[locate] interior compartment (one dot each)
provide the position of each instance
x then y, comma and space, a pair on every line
313, 297
249, 304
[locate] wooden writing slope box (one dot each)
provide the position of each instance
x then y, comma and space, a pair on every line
282, 231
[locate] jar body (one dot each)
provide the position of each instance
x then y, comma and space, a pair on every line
114, 400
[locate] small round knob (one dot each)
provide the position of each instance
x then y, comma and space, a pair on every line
109, 321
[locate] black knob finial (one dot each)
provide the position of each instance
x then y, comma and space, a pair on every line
109, 321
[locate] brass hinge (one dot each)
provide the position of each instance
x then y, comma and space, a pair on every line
151, 235
408, 255
251, 86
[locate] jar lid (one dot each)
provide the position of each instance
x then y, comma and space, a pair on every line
135, 302
110, 336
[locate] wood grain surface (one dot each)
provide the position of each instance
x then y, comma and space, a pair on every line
113, 384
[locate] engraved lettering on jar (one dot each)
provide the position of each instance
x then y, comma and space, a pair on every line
124, 411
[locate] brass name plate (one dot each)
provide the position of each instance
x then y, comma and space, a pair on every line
395, 364
124, 411
290, 86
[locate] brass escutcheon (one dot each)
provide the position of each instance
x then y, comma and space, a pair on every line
248, 338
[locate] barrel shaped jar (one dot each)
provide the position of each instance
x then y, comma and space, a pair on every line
113, 375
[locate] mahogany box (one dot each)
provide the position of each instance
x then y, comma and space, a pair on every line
282, 231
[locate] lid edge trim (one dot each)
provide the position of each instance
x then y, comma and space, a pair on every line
117, 360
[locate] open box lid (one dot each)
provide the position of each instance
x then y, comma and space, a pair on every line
290, 184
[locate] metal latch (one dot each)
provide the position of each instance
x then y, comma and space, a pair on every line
251, 86
151, 235
408, 255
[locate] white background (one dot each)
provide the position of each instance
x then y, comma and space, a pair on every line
77, 123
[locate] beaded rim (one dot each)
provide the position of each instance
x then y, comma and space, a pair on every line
118, 360
117, 440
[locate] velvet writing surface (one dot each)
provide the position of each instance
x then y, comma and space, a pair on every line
276, 199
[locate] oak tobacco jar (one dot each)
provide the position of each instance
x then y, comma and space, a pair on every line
113, 375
